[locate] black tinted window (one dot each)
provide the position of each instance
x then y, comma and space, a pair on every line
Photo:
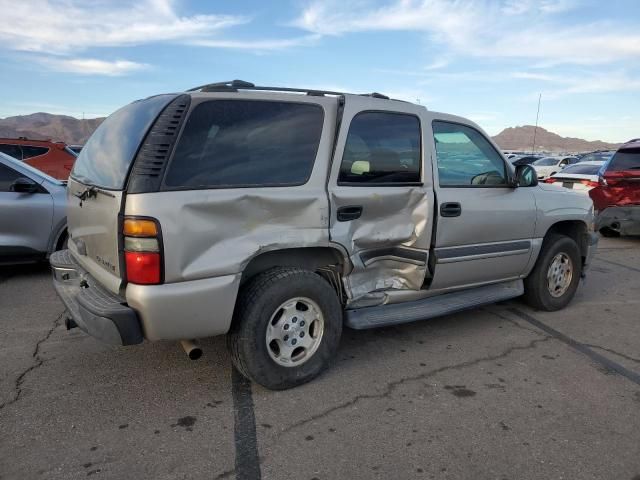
382, 148
7, 177
579, 169
29, 151
465, 157
238, 143
11, 150
105, 159
625, 160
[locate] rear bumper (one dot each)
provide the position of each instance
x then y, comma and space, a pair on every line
624, 220
95, 310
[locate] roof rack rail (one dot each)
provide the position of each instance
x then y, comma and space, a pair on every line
235, 85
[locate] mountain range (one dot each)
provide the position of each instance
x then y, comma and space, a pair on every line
75, 131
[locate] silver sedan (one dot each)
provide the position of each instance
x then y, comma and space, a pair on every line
33, 213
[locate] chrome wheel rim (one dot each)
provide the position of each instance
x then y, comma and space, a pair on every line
559, 275
294, 332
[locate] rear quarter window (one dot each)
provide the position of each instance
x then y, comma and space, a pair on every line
246, 143
29, 151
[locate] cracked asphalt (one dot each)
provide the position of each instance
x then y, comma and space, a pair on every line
500, 392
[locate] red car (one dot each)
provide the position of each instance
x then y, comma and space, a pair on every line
616, 199
53, 158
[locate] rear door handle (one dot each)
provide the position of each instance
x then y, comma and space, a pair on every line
450, 209
348, 213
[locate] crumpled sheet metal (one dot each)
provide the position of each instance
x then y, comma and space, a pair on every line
217, 232
394, 217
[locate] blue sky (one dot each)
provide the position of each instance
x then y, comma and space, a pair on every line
484, 59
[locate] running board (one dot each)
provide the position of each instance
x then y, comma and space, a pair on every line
430, 307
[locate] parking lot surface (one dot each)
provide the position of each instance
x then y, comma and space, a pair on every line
500, 392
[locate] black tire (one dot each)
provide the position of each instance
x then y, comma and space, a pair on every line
258, 300
536, 292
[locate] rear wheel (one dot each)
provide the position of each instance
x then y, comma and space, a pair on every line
286, 329
554, 280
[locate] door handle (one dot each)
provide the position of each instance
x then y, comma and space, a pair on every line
450, 209
348, 213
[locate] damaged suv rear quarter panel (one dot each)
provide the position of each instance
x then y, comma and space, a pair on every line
217, 231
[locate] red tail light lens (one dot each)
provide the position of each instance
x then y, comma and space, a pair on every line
551, 180
142, 250
143, 267
589, 183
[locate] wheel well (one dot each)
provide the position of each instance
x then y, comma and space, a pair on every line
327, 261
574, 229
61, 238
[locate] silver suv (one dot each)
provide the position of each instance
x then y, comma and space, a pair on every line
276, 216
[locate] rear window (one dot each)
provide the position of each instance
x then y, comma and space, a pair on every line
582, 169
105, 159
546, 162
597, 157
625, 160
242, 143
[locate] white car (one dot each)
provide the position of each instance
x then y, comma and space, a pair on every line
547, 166
581, 177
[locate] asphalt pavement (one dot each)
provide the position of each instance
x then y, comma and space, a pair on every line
500, 392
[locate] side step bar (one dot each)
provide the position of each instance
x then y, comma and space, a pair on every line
396, 313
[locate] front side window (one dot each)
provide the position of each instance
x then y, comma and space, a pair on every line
466, 158
241, 143
7, 177
382, 148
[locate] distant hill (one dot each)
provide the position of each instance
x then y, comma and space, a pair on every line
521, 138
47, 126
72, 130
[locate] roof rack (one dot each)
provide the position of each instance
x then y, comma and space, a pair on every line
235, 85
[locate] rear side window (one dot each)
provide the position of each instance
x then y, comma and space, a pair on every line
12, 150
625, 160
105, 159
466, 158
243, 143
382, 148
29, 151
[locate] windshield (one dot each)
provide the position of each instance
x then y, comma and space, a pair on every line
578, 169
546, 162
104, 161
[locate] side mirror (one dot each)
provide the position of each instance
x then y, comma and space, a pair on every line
24, 185
526, 176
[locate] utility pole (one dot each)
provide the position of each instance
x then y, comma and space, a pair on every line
535, 130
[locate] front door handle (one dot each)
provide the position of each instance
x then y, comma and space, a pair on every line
348, 213
450, 209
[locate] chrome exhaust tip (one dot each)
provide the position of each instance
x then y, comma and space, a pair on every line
191, 348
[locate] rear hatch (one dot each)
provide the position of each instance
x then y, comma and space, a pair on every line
96, 187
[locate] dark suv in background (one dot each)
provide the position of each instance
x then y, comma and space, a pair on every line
55, 159
617, 197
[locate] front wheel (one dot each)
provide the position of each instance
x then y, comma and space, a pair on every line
554, 280
286, 329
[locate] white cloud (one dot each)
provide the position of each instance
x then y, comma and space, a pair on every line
614, 81
63, 26
259, 45
92, 66
484, 28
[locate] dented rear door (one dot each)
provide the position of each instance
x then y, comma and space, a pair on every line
381, 196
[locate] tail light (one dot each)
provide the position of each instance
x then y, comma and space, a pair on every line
142, 250
589, 183
551, 180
